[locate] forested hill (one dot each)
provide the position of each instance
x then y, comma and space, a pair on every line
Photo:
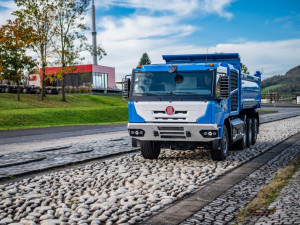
288, 83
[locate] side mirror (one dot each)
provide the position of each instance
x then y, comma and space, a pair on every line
222, 86
126, 88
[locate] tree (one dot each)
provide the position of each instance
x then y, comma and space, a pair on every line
15, 39
39, 14
145, 60
244, 69
69, 29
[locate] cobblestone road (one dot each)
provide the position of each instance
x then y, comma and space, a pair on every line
223, 209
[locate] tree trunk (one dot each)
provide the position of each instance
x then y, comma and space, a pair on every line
43, 81
63, 94
18, 90
43, 94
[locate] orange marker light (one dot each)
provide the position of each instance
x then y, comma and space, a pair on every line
212, 65
138, 66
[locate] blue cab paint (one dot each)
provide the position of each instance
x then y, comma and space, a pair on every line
133, 116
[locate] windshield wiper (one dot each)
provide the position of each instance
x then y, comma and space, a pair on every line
151, 94
189, 92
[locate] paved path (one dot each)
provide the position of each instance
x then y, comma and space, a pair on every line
50, 133
54, 143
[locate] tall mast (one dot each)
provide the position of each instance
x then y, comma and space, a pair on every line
94, 35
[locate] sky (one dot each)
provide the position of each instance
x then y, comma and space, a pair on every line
266, 33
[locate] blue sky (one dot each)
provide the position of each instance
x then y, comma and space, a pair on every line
265, 33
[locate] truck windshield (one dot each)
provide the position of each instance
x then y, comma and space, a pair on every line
180, 83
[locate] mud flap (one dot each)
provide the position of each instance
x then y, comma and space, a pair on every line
216, 145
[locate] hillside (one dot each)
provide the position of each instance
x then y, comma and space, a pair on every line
288, 83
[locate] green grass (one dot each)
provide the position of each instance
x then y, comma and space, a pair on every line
79, 109
270, 88
267, 111
269, 193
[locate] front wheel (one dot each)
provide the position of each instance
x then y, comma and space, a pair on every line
150, 149
219, 153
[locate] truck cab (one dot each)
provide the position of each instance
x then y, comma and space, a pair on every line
193, 101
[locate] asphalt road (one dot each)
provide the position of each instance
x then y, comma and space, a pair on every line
41, 134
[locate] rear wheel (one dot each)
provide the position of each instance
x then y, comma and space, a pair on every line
150, 149
249, 132
219, 153
254, 131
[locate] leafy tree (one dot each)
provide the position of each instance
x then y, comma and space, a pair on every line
244, 69
145, 60
69, 29
39, 14
15, 39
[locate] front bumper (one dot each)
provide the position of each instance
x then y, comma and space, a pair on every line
173, 132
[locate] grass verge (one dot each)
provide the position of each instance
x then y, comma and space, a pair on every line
78, 110
269, 193
267, 111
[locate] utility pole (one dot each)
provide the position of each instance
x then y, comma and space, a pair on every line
94, 35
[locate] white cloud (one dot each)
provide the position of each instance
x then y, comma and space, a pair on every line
218, 7
282, 19
9, 7
8, 4
274, 57
179, 7
138, 26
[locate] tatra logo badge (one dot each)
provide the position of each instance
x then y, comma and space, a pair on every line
170, 110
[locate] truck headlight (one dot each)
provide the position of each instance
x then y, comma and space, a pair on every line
137, 132
209, 133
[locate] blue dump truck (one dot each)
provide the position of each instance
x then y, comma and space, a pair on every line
193, 101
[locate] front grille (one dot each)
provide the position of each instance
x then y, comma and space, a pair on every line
170, 128
176, 112
172, 118
171, 132
172, 137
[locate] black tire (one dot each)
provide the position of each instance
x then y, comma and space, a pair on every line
221, 154
249, 132
150, 149
254, 131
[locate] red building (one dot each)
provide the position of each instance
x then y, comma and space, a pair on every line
100, 77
